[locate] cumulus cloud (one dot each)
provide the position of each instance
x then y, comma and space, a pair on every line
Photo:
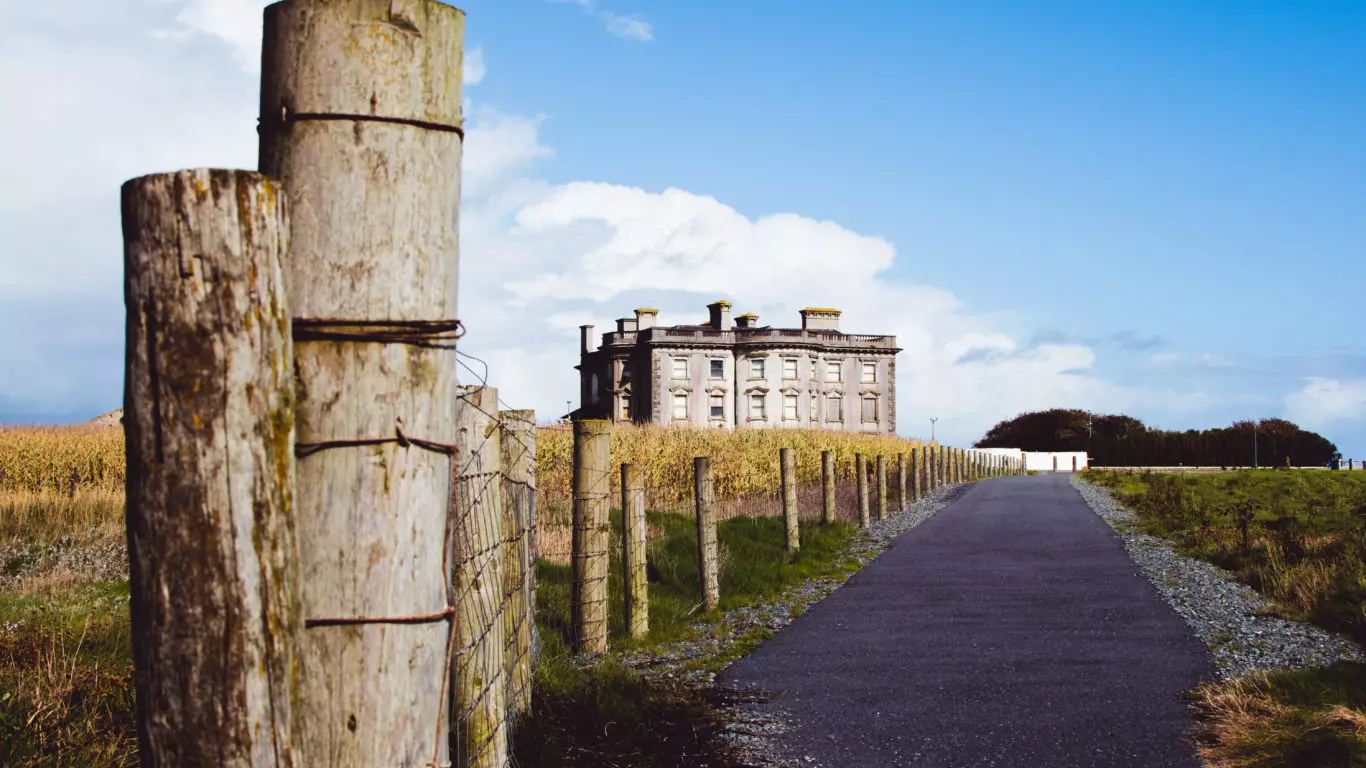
630, 27
1325, 402
474, 66
236, 23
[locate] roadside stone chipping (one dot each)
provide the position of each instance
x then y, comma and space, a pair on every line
1233, 620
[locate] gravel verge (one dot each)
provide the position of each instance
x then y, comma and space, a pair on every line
1235, 622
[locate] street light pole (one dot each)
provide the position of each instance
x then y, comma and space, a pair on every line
932, 421
1254, 445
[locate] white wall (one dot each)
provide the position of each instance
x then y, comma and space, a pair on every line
1043, 461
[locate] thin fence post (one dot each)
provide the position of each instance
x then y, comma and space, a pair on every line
360, 105
209, 424
1074, 463
788, 463
635, 585
479, 687
900, 482
917, 459
828, 487
1055, 463
703, 492
881, 474
519, 562
930, 482
592, 484
942, 467
861, 477
960, 465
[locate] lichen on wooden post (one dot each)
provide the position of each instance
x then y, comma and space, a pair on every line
479, 685
917, 468
592, 529
704, 488
360, 118
827, 487
787, 463
209, 425
633, 554
861, 478
881, 475
518, 444
900, 495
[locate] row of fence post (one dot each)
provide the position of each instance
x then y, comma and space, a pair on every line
924, 470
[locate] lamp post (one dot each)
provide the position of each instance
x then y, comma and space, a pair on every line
932, 421
1254, 445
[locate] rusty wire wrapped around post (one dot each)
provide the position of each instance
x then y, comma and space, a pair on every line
591, 535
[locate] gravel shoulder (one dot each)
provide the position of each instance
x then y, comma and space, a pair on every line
1235, 622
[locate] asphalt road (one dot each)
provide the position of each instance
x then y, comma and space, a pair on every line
1009, 630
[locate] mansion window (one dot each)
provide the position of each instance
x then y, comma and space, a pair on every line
870, 408
789, 407
789, 367
680, 367
625, 372
834, 408
758, 407
626, 408
814, 363
757, 368
718, 369
832, 370
680, 406
870, 373
815, 407
717, 403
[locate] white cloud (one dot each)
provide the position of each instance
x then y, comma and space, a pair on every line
235, 22
474, 66
1324, 402
630, 27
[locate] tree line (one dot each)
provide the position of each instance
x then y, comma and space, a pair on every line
1119, 441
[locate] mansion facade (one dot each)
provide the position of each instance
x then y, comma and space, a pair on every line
728, 375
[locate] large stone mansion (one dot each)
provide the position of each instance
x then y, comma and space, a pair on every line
743, 375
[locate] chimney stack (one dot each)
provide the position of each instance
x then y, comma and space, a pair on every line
720, 315
626, 324
586, 339
820, 319
746, 321
645, 318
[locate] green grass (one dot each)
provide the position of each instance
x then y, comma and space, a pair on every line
1296, 536
754, 567
66, 685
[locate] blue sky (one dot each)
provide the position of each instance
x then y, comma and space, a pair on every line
1154, 207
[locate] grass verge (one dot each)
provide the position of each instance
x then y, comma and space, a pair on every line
607, 714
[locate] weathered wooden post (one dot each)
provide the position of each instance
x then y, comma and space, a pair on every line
209, 423
592, 484
943, 466
478, 680
634, 581
861, 478
1074, 463
787, 462
828, 487
881, 475
917, 466
1055, 463
960, 465
930, 483
900, 482
360, 120
518, 443
703, 490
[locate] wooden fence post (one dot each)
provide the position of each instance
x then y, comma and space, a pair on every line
519, 562
703, 491
861, 477
828, 486
635, 585
787, 462
930, 483
592, 484
209, 424
900, 482
917, 464
1055, 463
1074, 463
479, 686
881, 475
360, 109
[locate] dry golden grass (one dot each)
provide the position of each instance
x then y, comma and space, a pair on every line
1309, 718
